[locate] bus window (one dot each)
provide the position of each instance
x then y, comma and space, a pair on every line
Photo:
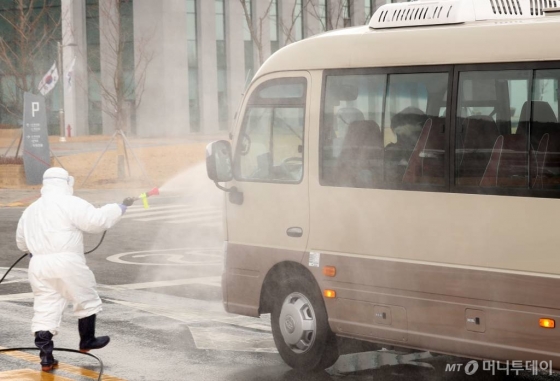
491, 151
410, 149
544, 129
414, 132
352, 143
270, 146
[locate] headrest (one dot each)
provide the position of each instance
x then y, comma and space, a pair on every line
349, 115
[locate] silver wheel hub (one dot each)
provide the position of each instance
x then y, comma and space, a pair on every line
297, 322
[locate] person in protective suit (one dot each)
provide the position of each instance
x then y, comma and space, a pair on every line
51, 230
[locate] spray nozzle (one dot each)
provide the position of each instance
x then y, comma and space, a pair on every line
144, 196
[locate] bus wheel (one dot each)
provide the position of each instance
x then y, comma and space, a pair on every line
300, 328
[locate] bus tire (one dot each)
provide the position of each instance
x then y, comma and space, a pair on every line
300, 326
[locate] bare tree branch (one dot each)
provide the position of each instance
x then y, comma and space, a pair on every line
116, 90
30, 30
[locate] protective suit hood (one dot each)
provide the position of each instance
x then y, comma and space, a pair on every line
57, 181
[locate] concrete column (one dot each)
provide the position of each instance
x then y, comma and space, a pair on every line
176, 67
207, 66
261, 23
286, 21
358, 12
335, 14
109, 24
74, 79
312, 19
235, 50
378, 3
160, 33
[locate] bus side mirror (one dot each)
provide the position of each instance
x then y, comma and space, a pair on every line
218, 161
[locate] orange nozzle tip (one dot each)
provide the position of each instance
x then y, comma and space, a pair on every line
153, 192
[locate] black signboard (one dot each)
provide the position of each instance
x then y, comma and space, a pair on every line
36, 152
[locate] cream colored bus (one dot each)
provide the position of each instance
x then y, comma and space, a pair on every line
398, 183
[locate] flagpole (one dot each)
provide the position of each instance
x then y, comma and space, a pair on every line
61, 111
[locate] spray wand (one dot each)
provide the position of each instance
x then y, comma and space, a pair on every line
144, 197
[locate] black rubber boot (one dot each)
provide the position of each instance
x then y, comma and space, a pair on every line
88, 341
43, 341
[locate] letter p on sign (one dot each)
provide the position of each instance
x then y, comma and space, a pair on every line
34, 108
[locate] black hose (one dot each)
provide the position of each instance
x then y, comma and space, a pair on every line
24, 255
62, 350
57, 349
10, 269
99, 244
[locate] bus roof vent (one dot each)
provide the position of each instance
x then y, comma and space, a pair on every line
441, 12
554, 11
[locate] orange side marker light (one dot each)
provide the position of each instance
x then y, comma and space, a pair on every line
329, 271
547, 323
329, 294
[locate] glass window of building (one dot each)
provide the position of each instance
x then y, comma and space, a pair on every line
128, 62
321, 13
194, 104
368, 9
346, 13
249, 50
298, 20
222, 64
21, 72
273, 16
94, 63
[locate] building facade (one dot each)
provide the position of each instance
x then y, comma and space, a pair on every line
165, 68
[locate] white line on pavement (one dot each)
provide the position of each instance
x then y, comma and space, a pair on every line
165, 283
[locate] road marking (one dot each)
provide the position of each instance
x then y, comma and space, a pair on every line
30, 375
14, 297
165, 209
193, 216
61, 367
6, 281
217, 219
205, 256
200, 315
210, 280
12, 278
214, 328
176, 214
230, 338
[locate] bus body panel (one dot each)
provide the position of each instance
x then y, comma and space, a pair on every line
479, 42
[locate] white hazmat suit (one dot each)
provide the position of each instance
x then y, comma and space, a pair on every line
51, 229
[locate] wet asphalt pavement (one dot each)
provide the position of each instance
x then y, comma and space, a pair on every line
159, 273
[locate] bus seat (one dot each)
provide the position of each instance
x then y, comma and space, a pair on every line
361, 156
433, 157
490, 176
349, 114
413, 172
543, 121
539, 158
549, 154
344, 118
507, 166
479, 134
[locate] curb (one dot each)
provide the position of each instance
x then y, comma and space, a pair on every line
21, 203
13, 204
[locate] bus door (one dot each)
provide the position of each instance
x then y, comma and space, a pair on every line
268, 218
